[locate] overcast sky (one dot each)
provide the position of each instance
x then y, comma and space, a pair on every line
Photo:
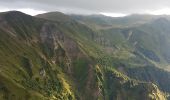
107, 7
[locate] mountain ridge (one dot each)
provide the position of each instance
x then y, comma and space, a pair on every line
44, 58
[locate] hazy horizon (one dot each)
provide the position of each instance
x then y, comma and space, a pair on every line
33, 12
112, 8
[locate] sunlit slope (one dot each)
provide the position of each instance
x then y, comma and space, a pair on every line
43, 58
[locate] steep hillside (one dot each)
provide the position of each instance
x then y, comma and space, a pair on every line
140, 51
151, 40
58, 58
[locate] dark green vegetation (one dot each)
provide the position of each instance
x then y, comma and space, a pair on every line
59, 57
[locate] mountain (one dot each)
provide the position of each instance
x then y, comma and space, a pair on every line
142, 50
151, 37
54, 56
105, 22
55, 16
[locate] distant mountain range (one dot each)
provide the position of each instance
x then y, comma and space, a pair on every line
54, 56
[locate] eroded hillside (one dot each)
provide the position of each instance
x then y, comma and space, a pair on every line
62, 59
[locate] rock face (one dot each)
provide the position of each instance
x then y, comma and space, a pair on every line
61, 60
122, 88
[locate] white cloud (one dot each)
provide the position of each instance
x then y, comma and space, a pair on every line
88, 6
25, 10
163, 11
114, 14
31, 11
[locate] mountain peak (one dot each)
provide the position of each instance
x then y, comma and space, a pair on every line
14, 12
11, 15
55, 16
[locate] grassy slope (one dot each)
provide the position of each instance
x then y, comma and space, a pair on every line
134, 47
98, 53
22, 60
42, 59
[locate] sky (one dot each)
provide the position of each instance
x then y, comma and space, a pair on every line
115, 8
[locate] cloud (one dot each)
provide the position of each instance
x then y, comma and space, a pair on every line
88, 6
160, 11
25, 10
113, 14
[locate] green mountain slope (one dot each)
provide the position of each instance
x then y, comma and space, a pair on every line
105, 22
141, 48
57, 58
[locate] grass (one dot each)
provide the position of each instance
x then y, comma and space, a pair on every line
92, 72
